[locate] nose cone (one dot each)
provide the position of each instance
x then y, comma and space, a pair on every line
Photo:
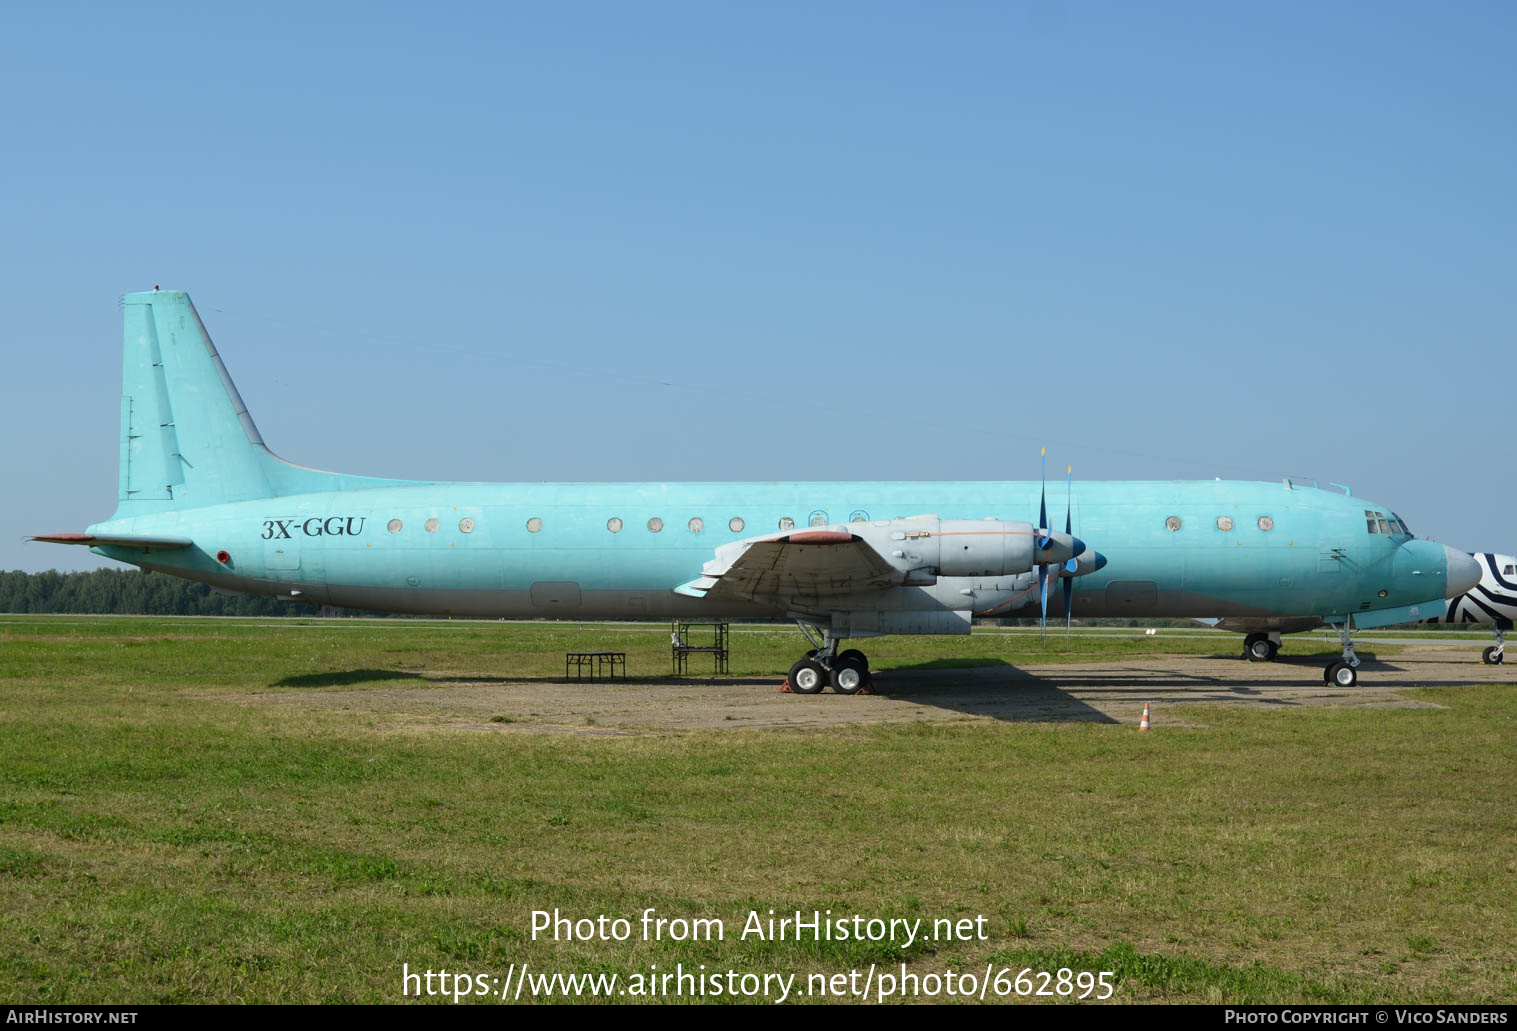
1077, 544
1100, 561
1463, 572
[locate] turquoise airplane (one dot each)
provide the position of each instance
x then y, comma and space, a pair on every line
1492, 602
202, 497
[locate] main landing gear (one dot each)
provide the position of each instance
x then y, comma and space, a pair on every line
1261, 647
1343, 672
1492, 655
847, 672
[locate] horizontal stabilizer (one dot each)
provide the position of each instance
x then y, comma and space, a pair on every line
120, 540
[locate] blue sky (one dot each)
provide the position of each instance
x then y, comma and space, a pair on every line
704, 241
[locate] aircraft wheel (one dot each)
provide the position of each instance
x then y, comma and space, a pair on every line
1489, 656
1257, 648
854, 655
1341, 674
1274, 651
807, 677
848, 676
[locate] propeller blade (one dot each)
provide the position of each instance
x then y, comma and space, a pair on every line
1043, 590
1071, 565
1044, 541
1069, 496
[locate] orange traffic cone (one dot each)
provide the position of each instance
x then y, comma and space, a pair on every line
1143, 724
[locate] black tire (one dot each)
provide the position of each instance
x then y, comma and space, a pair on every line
1256, 648
1489, 656
848, 676
1341, 674
807, 677
1274, 651
853, 654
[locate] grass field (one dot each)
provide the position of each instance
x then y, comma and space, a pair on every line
168, 834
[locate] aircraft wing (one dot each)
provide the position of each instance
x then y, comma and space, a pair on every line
120, 540
807, 563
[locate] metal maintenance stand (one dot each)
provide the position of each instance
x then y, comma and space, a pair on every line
595, 664
682, 645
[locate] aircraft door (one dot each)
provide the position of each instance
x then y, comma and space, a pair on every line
282, 559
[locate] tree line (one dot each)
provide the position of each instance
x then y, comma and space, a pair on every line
131, 592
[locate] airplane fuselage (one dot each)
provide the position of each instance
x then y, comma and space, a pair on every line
587, 549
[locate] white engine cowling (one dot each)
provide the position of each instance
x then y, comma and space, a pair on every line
926, 546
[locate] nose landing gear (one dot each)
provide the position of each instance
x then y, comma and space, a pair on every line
1492, 656
1344, 672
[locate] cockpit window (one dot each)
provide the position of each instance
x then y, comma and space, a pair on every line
1510, 570
1404, 528
1376, 522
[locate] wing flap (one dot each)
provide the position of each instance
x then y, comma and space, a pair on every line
804, 563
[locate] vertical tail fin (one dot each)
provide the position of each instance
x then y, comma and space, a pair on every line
187, 439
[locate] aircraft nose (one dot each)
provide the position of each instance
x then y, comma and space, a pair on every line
1463, 572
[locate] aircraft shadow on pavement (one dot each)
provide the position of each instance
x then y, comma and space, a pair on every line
347, 678
999, 691
1367, 661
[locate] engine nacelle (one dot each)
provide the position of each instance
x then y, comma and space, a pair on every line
926, 547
